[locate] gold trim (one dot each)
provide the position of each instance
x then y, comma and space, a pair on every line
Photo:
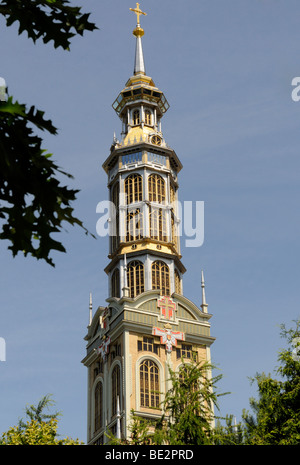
138, 32
138, 12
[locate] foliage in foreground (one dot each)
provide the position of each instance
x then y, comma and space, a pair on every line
188, 413
276, 413
39, 429
188, 410
33, 203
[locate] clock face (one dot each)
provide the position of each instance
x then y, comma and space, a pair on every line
156, 140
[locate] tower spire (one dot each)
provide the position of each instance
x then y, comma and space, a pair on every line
91, 309
204, 304
139, 65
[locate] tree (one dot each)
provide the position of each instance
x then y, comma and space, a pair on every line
188, 411
36, 434
39, 429
230, 434
37, 413
140, 433
276, 413
33, 203
188, 414
189, 406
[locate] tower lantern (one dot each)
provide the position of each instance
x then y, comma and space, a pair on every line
147, 323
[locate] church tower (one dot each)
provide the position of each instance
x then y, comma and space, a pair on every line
146, 324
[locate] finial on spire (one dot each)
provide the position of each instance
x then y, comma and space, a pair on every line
204, 304
91, 308
203, 288
139, 66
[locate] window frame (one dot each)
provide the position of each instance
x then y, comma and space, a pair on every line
149, 380
160, 275
136, 117
135, 277
148, 344
115, 388
156, 188
133, 188
98, 416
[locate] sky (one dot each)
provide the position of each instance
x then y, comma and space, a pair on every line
226, 69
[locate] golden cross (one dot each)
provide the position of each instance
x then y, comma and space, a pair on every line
138, 12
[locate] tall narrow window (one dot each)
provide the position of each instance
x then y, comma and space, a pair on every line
177, 282
134, 225
134, 188
115, 233
115, 388
135, 278
161, 277
115, 283
136, 117
149, 384
158, 223
148, 118
98, 406
156, 188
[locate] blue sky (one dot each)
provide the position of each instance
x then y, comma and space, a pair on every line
226, 69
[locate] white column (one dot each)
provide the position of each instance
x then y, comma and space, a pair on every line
128, 380
147, 269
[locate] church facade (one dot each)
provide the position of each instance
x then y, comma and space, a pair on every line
146, 324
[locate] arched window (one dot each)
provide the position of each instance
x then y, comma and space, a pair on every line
148, 117
156, 188
134, 226
133, 188
158, 223
136, 117
161, 277
115, 283
135, 278
115, 232
149, 384
177, 282
115, 389
98, 399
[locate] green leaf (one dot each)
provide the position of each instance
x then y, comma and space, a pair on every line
50, 20
33, 203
